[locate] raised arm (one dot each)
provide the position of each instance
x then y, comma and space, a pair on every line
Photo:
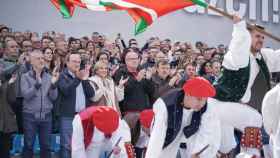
239, 48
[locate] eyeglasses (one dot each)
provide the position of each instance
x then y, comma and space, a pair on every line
132, 59
48, 52
161, 57
39, 58
75, 61
103, 68
153, 51
103, 58
14, 46
27, 46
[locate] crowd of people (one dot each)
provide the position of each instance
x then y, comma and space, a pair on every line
54, 84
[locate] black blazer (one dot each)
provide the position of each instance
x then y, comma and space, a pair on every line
67, 93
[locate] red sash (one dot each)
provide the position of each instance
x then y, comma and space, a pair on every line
88, 127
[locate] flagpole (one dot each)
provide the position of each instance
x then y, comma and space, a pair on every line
248, 24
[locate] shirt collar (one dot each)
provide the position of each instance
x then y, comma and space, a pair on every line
71, 73
258, 56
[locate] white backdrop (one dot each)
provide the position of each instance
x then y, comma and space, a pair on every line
40, 16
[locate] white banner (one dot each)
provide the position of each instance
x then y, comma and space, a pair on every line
268, 9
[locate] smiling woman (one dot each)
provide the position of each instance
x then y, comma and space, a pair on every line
106, 92
48, 57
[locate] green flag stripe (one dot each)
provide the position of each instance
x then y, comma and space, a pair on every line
200, 3
140, 26
64, 9
108, 4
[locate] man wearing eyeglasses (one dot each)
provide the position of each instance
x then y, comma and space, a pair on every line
139, 88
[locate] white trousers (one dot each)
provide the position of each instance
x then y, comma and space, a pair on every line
275, 138
234, 115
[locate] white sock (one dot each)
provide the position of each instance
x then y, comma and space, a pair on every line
267, 151
252, 151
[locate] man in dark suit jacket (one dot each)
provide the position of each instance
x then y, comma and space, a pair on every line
75, 92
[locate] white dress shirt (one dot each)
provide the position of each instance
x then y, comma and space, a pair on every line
239, 54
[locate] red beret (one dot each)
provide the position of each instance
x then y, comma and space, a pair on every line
199, 87
146, 118
105, 119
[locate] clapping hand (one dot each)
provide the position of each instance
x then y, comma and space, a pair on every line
141, 74
174, 80
123, 81
55, 75
83, 74
149, 73
21, 59
13, 78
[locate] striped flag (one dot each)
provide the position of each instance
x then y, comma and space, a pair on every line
67, 7
143, 12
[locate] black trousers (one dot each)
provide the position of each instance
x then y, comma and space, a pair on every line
5, 144
140, 152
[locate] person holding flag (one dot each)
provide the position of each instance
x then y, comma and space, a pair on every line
241, 87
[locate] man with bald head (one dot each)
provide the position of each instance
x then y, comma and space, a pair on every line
39, 91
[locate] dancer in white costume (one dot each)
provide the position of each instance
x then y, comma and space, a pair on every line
271, 117
183, 116
98, 131
246, 66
